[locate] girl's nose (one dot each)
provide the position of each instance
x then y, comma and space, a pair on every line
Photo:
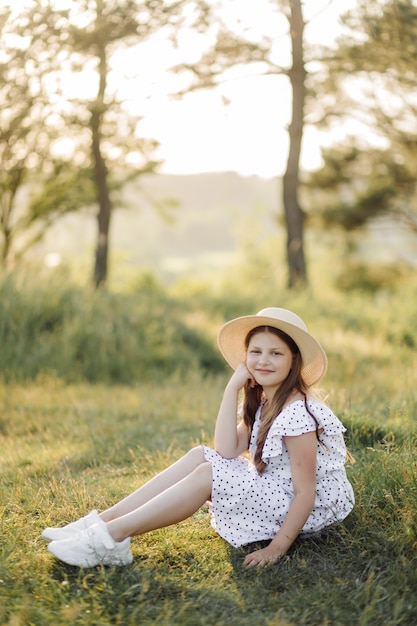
263, 359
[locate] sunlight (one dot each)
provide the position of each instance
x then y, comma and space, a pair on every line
241, 124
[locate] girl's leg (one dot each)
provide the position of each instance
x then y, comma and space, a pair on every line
158, 484
176, 503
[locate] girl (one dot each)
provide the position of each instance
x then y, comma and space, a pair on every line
295, 482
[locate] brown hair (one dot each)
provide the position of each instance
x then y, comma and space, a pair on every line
253, 395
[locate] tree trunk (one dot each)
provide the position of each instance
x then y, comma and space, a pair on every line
100, 173
5, 230
7, 255
294, 216
105, 208
7, 201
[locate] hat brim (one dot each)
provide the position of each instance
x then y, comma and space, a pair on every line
232, 335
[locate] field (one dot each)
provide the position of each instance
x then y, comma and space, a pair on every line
70, 443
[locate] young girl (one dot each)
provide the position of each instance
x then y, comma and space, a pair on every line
294, 484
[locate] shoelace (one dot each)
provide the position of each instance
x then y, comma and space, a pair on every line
98, 532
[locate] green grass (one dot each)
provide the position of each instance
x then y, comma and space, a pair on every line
69, 448
101, 390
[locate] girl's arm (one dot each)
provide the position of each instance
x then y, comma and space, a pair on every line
303, 454
230, 438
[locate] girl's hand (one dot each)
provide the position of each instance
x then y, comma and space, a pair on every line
241, 375
263, 558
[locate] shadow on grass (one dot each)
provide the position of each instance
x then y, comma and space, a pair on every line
203, 585
164, 590
344, 576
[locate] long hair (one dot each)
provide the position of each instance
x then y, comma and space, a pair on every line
253, 395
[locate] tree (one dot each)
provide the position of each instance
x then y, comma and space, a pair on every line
371, 79
106, 27
26, 120
234, 47
103, 135
294, 215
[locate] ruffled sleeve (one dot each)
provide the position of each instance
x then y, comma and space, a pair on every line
295, 420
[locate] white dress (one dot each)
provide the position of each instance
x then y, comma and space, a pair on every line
248, 506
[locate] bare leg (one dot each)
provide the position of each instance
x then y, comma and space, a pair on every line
173, 505
158, 484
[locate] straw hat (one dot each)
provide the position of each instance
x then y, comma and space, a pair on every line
231, 340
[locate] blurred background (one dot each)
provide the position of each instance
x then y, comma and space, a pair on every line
166, 165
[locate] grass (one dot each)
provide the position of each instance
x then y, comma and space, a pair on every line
69, 448
82, 424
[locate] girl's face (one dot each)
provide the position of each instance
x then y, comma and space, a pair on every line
269, 360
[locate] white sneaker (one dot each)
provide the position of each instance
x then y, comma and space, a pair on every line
65, 532
120, 555
91, 547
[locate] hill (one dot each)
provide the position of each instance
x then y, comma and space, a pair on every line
185, 224
172, 223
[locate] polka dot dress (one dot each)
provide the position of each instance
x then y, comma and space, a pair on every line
248, 506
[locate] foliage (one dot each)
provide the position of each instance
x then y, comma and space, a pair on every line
64, 189
76, 334
369, 83
353, 187
27, 119
372, 278
48, 323
45, 117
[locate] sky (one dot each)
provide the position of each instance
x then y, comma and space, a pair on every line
240, 125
